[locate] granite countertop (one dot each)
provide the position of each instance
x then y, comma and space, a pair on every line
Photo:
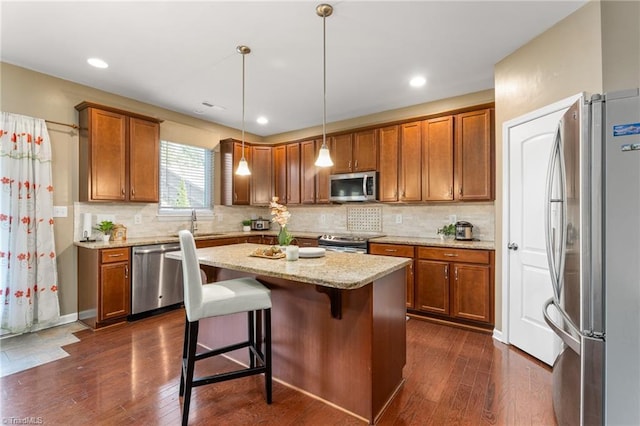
415, 241
435, 242
337, 270
164, 239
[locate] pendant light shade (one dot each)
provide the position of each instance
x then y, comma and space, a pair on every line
324, 158
243, 166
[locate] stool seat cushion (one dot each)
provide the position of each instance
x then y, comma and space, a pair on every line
232, 296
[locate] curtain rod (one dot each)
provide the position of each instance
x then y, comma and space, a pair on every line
73, 126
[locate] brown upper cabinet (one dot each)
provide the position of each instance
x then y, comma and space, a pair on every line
234, 189
261, 175
115, 151
314, 181
410, 176
388, 171
286, 172
474, 177
355, 152
437, 159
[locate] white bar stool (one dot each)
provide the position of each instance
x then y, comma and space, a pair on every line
217, 299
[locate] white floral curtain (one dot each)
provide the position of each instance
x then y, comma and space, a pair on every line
28, 272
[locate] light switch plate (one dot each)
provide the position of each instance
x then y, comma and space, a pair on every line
59, 211
399, 218
453, 218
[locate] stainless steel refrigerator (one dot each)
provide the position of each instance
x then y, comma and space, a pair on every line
593, 248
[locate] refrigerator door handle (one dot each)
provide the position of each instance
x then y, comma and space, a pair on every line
571, 337
547, 217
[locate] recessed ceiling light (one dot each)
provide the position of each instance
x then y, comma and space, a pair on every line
262, 120
417, 81
213, 106
97, 62
198, 111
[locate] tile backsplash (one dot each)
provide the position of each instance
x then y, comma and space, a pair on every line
390, 219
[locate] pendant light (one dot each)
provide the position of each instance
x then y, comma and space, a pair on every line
243, 166
324, 159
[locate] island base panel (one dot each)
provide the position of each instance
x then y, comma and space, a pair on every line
355, 362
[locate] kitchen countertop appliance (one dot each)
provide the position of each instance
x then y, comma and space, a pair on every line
156, 282
344, 243
464, 231
593, 247
260, 224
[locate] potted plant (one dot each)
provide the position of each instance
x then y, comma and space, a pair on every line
106, 226
447, 231
246, 225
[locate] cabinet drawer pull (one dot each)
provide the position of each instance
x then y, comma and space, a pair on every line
451, 254
115, 255
390, 250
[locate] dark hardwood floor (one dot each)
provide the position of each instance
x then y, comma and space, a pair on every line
129, 374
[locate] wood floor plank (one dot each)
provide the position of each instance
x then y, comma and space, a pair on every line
129, 374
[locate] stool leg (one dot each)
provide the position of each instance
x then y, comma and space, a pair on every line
252, 338
267, 355
185, 345
191, 360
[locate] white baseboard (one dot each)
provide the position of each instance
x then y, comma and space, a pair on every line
497, 334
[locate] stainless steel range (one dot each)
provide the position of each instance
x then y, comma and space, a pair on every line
345, 243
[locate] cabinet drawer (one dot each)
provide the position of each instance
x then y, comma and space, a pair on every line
454, 255
114, 255
396, 250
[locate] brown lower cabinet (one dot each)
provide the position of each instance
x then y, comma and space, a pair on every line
104, 286
451, 285
455, 283
398, 250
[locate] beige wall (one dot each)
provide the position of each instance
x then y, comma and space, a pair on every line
595, 50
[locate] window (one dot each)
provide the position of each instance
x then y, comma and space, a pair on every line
186, 177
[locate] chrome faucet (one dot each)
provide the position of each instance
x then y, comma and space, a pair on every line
194, 223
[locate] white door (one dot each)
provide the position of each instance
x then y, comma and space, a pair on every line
528, 281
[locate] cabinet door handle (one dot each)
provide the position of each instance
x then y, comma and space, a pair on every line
349, 165
451, 191
446, 272
451, 254
356, 165
455, 272
133, 192
126, 271
460, 191
122, 191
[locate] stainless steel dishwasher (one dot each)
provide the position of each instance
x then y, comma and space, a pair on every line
156, 281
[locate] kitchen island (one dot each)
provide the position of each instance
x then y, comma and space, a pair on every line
338, 323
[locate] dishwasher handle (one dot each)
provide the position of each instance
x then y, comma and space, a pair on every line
161, 249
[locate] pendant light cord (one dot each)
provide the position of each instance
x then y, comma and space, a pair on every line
324, 81
243, 55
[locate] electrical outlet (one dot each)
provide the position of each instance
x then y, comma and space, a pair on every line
59, 211
452, 218
137, 219
398, 218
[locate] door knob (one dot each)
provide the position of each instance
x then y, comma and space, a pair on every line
512, 246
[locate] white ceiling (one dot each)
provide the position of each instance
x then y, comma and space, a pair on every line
176, 54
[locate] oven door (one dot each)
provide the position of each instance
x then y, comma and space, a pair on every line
342, 249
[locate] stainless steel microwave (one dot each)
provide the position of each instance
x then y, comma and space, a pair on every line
361, 186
